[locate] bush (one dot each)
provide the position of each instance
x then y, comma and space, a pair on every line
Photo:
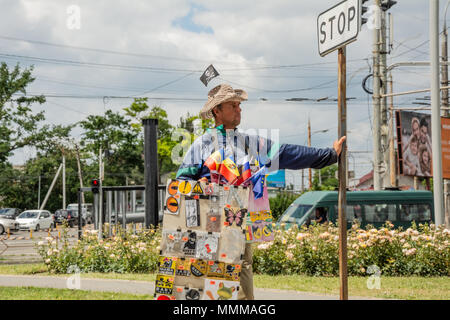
420, 251
123, 253
280, 203
312, 251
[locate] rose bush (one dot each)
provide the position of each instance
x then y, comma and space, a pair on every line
420, 250
124, 253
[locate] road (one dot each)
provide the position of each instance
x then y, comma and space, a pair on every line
20, 246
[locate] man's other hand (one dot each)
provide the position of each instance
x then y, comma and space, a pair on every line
337, 145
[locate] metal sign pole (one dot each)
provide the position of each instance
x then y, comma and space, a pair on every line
342, 170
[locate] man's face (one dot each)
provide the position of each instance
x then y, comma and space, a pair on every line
423, 134
229, 114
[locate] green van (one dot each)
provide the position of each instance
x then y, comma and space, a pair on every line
369, 207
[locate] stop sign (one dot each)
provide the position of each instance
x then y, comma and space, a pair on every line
338, 26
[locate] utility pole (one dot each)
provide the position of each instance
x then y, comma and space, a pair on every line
51, 188
383, 101
64, 179
436, 113
392, 161
303, 180
309, 145
446, 113
100, 195
39, 192
377, 181
80, 176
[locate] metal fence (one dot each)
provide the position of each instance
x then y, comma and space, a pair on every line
120, 206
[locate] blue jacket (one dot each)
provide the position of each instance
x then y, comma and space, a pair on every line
244, 146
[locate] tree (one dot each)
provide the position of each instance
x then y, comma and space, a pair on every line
19, 126
328, 178
140, 110
114, 133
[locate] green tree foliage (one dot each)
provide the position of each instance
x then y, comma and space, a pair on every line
140, 110
19, 126
327, 179
120, 143
281, 202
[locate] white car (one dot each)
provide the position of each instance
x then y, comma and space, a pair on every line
35, 220
6, 224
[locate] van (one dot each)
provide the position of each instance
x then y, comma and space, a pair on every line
86, 210
368, 207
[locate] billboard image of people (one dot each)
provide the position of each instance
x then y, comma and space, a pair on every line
414, 143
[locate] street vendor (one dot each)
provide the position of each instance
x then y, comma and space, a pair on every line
224, 106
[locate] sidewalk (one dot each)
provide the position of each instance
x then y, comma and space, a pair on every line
143, 287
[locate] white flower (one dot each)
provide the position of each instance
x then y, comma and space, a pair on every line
289, 255
47, 261
264, 246
112, 255
40, 243
410, 252
301, 236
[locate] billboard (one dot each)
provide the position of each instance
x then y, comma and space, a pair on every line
414, 143
445, 134
276, 179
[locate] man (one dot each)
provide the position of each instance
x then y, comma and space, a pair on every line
224, 106
425, 139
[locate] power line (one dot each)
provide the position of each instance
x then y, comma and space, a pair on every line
98, 65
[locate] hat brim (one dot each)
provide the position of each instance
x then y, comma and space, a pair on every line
238, 95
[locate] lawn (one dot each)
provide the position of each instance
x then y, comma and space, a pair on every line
32, 293
411, 288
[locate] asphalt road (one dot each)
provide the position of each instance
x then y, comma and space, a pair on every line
20, 246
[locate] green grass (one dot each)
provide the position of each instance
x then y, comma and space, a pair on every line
32, 293
390, 287
41, 270
409, 288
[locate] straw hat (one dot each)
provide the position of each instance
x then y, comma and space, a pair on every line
220, 94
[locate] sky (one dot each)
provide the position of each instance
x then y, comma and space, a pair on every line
90, 56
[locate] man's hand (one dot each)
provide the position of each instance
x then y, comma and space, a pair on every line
337, 145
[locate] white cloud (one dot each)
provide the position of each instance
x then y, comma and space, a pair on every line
246, 35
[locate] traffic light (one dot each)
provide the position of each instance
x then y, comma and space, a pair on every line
364, 10
387, 4
95, 185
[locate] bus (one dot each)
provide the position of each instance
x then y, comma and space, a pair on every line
374, 208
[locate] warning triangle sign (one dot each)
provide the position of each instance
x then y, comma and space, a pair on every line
197, 189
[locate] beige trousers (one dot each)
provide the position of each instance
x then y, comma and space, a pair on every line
246, 287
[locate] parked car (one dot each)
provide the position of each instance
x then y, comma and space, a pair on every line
71, 216
35, 220
9, 213
86, 211
6, 224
